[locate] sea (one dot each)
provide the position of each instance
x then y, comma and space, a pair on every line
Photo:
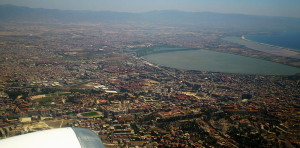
289, 40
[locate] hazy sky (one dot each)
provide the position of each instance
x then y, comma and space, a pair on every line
259, 7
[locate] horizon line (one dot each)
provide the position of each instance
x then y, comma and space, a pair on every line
150, 11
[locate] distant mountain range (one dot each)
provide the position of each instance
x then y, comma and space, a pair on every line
164, 17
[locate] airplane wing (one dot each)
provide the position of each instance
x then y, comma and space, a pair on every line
69, 137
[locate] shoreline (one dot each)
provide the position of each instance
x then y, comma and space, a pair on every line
165, 51
262, 47
265, 44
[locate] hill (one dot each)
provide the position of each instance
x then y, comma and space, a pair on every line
164, 17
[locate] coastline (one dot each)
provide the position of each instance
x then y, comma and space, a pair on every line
280, 47
263, 47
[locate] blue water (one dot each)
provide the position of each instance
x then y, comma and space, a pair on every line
285, 39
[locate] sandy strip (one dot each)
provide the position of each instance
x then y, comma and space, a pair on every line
275, 50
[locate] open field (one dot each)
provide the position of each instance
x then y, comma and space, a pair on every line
58, 123
91, 114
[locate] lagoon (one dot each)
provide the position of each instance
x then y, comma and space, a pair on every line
206, 60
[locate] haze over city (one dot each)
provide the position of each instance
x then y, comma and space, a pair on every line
289, 8
155, 73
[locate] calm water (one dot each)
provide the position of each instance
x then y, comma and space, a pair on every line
285, 39
204, 60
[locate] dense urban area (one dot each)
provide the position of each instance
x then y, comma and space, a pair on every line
93, 76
